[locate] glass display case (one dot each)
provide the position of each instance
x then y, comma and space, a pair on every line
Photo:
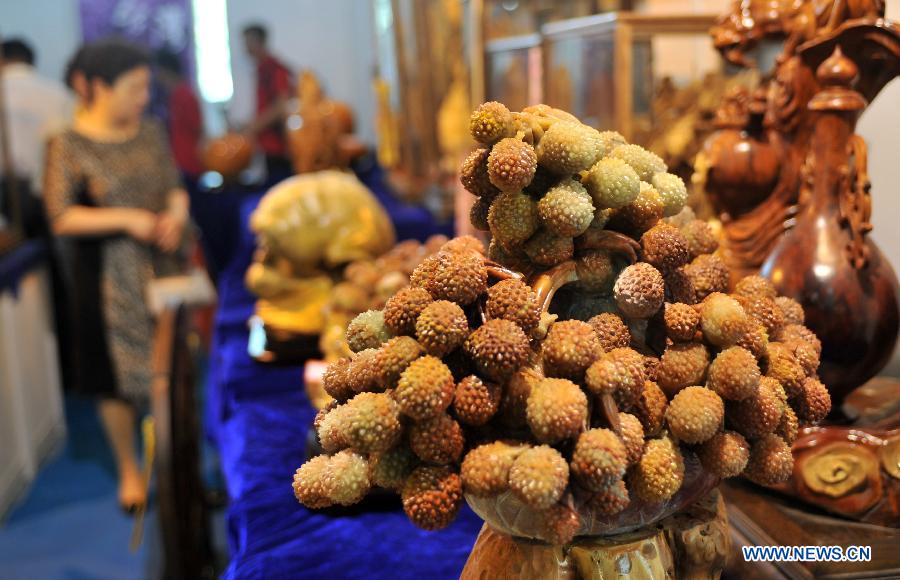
513, 71
654, 78
608, 69
505, 18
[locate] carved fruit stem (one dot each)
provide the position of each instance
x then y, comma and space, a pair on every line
545, 286
495, 270
609, 241
547, 283
610, 412
480, 307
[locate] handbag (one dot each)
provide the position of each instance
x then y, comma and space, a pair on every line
191, 289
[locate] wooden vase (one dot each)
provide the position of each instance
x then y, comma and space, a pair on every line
848, 289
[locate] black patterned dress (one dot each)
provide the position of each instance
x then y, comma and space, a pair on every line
113, 329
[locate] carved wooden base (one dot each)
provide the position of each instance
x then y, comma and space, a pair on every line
692, 544
853, 470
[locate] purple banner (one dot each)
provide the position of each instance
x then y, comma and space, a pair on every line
152, 24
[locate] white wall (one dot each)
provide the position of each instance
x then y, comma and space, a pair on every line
880, 127
52, 27
335, 39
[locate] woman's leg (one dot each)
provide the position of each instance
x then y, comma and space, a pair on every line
118, 420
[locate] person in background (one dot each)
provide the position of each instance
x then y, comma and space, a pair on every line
110, 183
36, 108
185, 120
273, 90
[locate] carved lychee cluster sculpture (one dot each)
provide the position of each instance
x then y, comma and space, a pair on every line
465, 384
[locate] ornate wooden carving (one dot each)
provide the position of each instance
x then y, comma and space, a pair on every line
788, 176
849, 471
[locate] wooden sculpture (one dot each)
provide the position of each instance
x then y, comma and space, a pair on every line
788, 178
787, 174
682, 117
320, 130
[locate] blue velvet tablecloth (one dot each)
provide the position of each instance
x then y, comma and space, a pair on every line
19, 261
258, 417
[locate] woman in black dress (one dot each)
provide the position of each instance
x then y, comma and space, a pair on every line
110, 182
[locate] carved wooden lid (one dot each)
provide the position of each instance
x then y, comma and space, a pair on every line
837, 75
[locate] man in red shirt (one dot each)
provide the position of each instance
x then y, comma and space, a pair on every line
274, 88
185, 119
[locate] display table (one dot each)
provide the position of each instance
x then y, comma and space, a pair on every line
31, 410
258, 418
760, 518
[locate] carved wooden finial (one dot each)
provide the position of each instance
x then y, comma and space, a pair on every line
732, 113
837, 70
837, 74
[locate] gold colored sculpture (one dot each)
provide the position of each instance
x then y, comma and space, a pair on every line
386, 125
310, 225
306, 227
453, 121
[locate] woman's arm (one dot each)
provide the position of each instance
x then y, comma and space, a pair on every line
173, 219
178, 204
80, 220
171, 223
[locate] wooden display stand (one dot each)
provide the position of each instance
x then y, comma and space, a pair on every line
692, 544
761, 518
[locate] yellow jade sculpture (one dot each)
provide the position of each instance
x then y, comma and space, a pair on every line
307, 226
